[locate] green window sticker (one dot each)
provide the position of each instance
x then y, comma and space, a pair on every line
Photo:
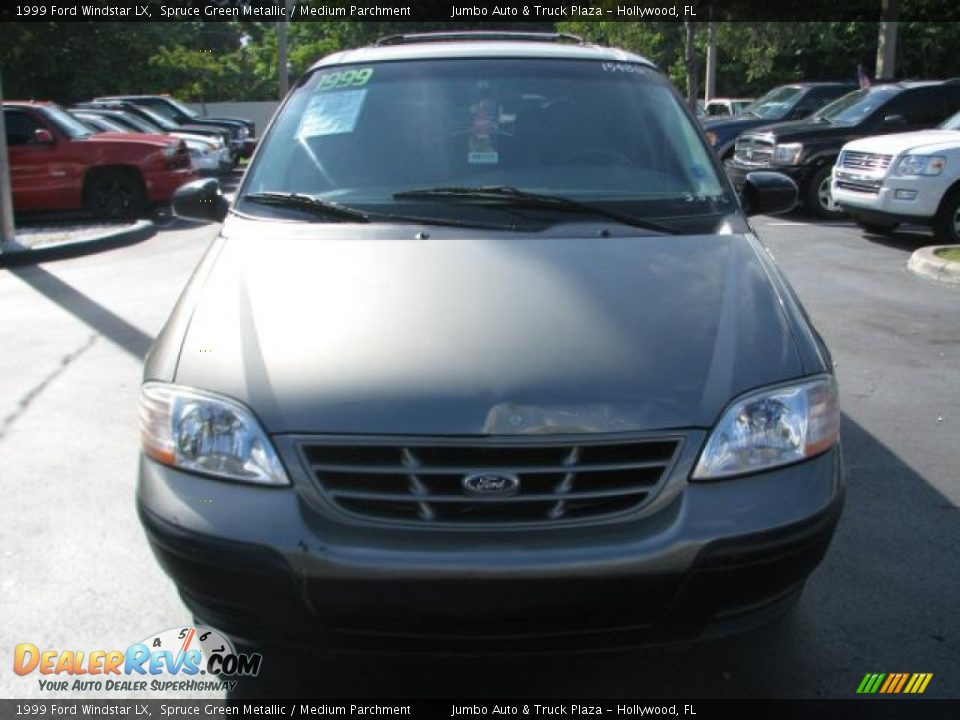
346, 79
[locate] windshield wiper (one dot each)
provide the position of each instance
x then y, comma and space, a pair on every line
316, 206
513, 197
336, 211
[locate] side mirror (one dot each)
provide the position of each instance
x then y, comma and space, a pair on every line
768, 193
200, 200
894, 120
42, 136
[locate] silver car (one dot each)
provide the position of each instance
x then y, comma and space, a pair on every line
487, 352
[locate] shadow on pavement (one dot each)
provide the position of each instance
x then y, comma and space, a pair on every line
104, 321
906, 240
883, 588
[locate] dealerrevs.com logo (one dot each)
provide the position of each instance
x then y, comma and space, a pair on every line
178, 659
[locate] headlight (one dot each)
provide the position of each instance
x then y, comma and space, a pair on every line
170, 151
921, 165
711, 138
243, 134
787, 154
772, 427
207, 434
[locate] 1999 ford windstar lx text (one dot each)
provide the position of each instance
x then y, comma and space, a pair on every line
486, 349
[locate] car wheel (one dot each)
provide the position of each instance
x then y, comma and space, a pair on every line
817, 198
114, 194
876, 228
946, 225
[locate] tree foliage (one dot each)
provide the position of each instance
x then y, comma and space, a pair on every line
237, 60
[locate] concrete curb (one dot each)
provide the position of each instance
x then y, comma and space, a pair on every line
138, 232
924, 262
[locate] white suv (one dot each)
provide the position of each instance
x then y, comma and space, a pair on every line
913, 177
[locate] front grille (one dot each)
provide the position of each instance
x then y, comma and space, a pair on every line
860, 187
424, 481
751, 150
864, 161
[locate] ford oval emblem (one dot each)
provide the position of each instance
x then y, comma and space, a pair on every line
491, 483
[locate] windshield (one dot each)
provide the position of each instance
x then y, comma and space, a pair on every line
159, 120
66, 122
596, 132
951, 123
776, 103
168, 108
856, 106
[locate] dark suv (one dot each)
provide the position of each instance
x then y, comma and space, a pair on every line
807, 150
486, 351
786, 102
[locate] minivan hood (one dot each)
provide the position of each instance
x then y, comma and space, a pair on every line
332, 328
925, 140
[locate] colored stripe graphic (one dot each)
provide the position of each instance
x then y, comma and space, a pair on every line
894, 683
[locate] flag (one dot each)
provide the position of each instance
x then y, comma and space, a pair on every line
862, 78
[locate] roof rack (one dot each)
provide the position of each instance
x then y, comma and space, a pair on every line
503, 35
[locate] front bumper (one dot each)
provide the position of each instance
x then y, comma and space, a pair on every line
162, 184
878, 200
262, 563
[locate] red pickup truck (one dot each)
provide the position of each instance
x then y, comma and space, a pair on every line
56, 163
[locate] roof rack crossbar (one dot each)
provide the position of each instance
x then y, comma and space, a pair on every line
507, 35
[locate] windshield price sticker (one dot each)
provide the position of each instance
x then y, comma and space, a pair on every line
332, 113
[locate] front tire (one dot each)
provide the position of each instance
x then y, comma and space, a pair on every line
114, 194
946, 225
817, 198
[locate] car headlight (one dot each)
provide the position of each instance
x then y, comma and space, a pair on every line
243, 134
772, 427
787, 153
170, 151
208, 434
921, 165
711, 138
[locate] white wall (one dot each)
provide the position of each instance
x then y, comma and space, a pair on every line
259, 112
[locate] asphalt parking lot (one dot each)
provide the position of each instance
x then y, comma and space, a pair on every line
75, 571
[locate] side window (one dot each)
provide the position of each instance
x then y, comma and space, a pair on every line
924, 107
20, 127
807, 104
953, 100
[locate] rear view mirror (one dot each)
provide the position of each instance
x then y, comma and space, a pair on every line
42, 136
768, 193
200, 200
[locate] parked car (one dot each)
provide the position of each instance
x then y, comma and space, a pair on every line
807, 150
786, 102
729, 107
243, 131
512, 363
164, 125
207, 155
904, 178
57, 163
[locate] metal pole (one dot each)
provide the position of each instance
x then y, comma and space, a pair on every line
710, 85
6, 199
282, 58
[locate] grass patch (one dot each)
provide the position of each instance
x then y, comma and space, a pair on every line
949, 253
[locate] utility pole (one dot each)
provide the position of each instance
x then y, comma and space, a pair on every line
6, 200
282, 64
887, 40
710, 82
690, 60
